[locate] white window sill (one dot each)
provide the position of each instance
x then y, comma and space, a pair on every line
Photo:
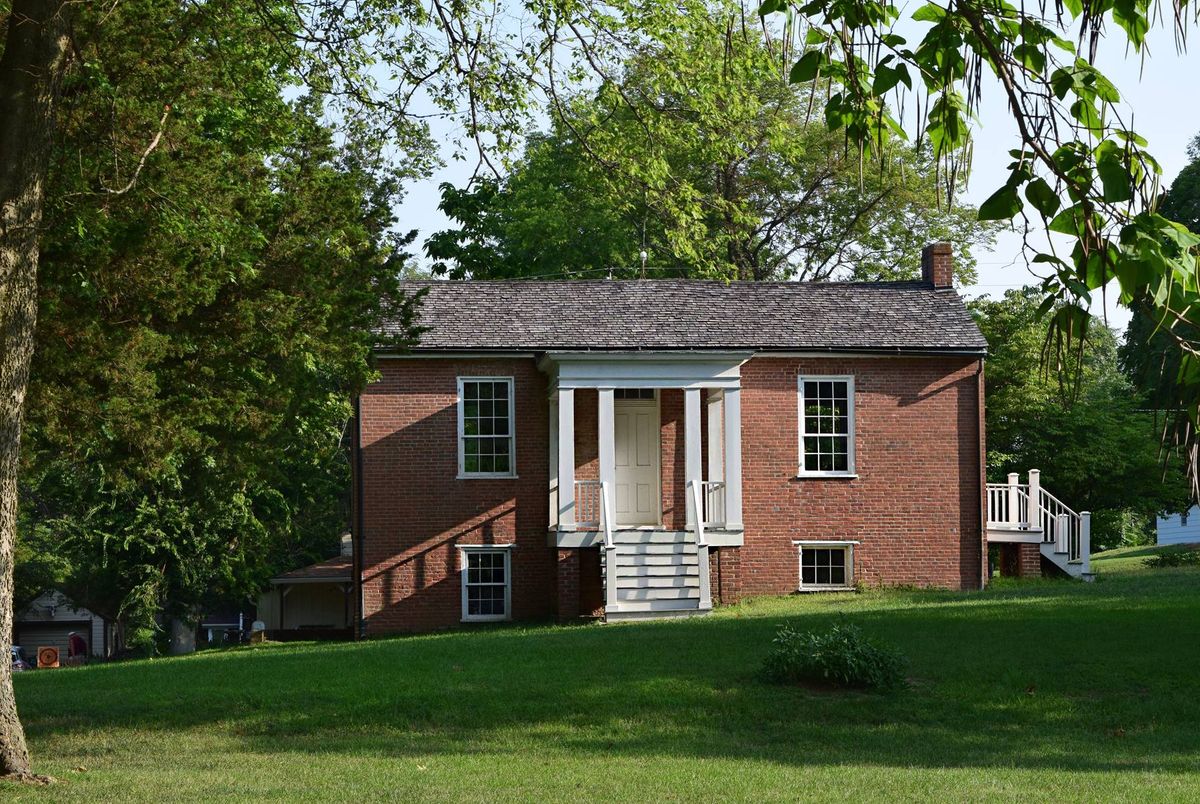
826, 476
463, 476
805, 590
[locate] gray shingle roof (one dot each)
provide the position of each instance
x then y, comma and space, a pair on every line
673, 314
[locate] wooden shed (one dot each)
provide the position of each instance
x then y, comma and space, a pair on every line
50, 620
313, 602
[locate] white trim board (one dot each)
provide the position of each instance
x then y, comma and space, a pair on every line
644, 370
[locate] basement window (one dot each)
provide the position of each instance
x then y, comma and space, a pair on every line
486, 582
825, 565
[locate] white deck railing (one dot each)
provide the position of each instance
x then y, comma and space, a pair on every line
1009, 508
1008, 505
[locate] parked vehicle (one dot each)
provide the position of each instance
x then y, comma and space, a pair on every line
19, 662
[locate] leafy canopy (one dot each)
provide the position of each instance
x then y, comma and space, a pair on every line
201, 334
700, 153
1080, 170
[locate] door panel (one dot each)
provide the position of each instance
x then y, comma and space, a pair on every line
636, 429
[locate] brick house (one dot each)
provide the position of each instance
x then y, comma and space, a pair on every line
647, 448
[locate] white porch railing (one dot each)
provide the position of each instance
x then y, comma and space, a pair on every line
1029, 507
1008, 505
714, 503
588, 496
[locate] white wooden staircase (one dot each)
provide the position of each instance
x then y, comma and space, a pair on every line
652, 573
1027, 513
657, 574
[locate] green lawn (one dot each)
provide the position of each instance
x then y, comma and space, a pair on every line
1041, 690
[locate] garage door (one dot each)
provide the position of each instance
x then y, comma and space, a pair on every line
40, 635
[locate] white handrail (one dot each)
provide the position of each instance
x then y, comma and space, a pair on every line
701, 546
699, 512
610, 547
606, 515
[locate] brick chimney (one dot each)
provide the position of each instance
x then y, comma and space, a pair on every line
937, 265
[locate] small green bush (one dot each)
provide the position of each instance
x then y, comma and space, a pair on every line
841, 657
1176, 558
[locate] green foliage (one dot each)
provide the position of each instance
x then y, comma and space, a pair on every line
1084, 173
1151, 356
200, 334
1086, 429
1174, 558
841, 656
701, 154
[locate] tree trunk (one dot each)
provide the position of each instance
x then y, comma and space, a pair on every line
35, 54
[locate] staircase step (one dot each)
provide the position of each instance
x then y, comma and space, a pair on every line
688, 604
678, 582
626, 571
652, 537
658, 560
658, 594
623, 550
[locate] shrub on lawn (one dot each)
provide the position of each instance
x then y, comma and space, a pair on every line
1176, 558
841, 656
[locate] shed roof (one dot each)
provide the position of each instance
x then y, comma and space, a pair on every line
333, 570
670, 314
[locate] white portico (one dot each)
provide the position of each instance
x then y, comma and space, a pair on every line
649, 568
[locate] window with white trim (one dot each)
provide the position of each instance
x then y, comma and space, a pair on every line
826, 426
825, 565
485, 427
486, 583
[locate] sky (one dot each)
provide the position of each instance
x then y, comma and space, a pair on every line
1159, 94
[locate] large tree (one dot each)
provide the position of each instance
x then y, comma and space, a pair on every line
700, 153
210, 268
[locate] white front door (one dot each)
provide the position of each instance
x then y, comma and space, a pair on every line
636, 429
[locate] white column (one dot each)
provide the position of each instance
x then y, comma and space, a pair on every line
553, 419
566, 459
1035, 500
691, 446
732, 408
607, 447
1014, 512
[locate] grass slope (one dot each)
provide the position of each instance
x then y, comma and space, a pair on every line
1039, 690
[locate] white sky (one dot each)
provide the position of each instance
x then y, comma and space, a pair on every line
1160, 96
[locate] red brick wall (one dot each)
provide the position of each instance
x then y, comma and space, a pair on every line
915, 505
415, 509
